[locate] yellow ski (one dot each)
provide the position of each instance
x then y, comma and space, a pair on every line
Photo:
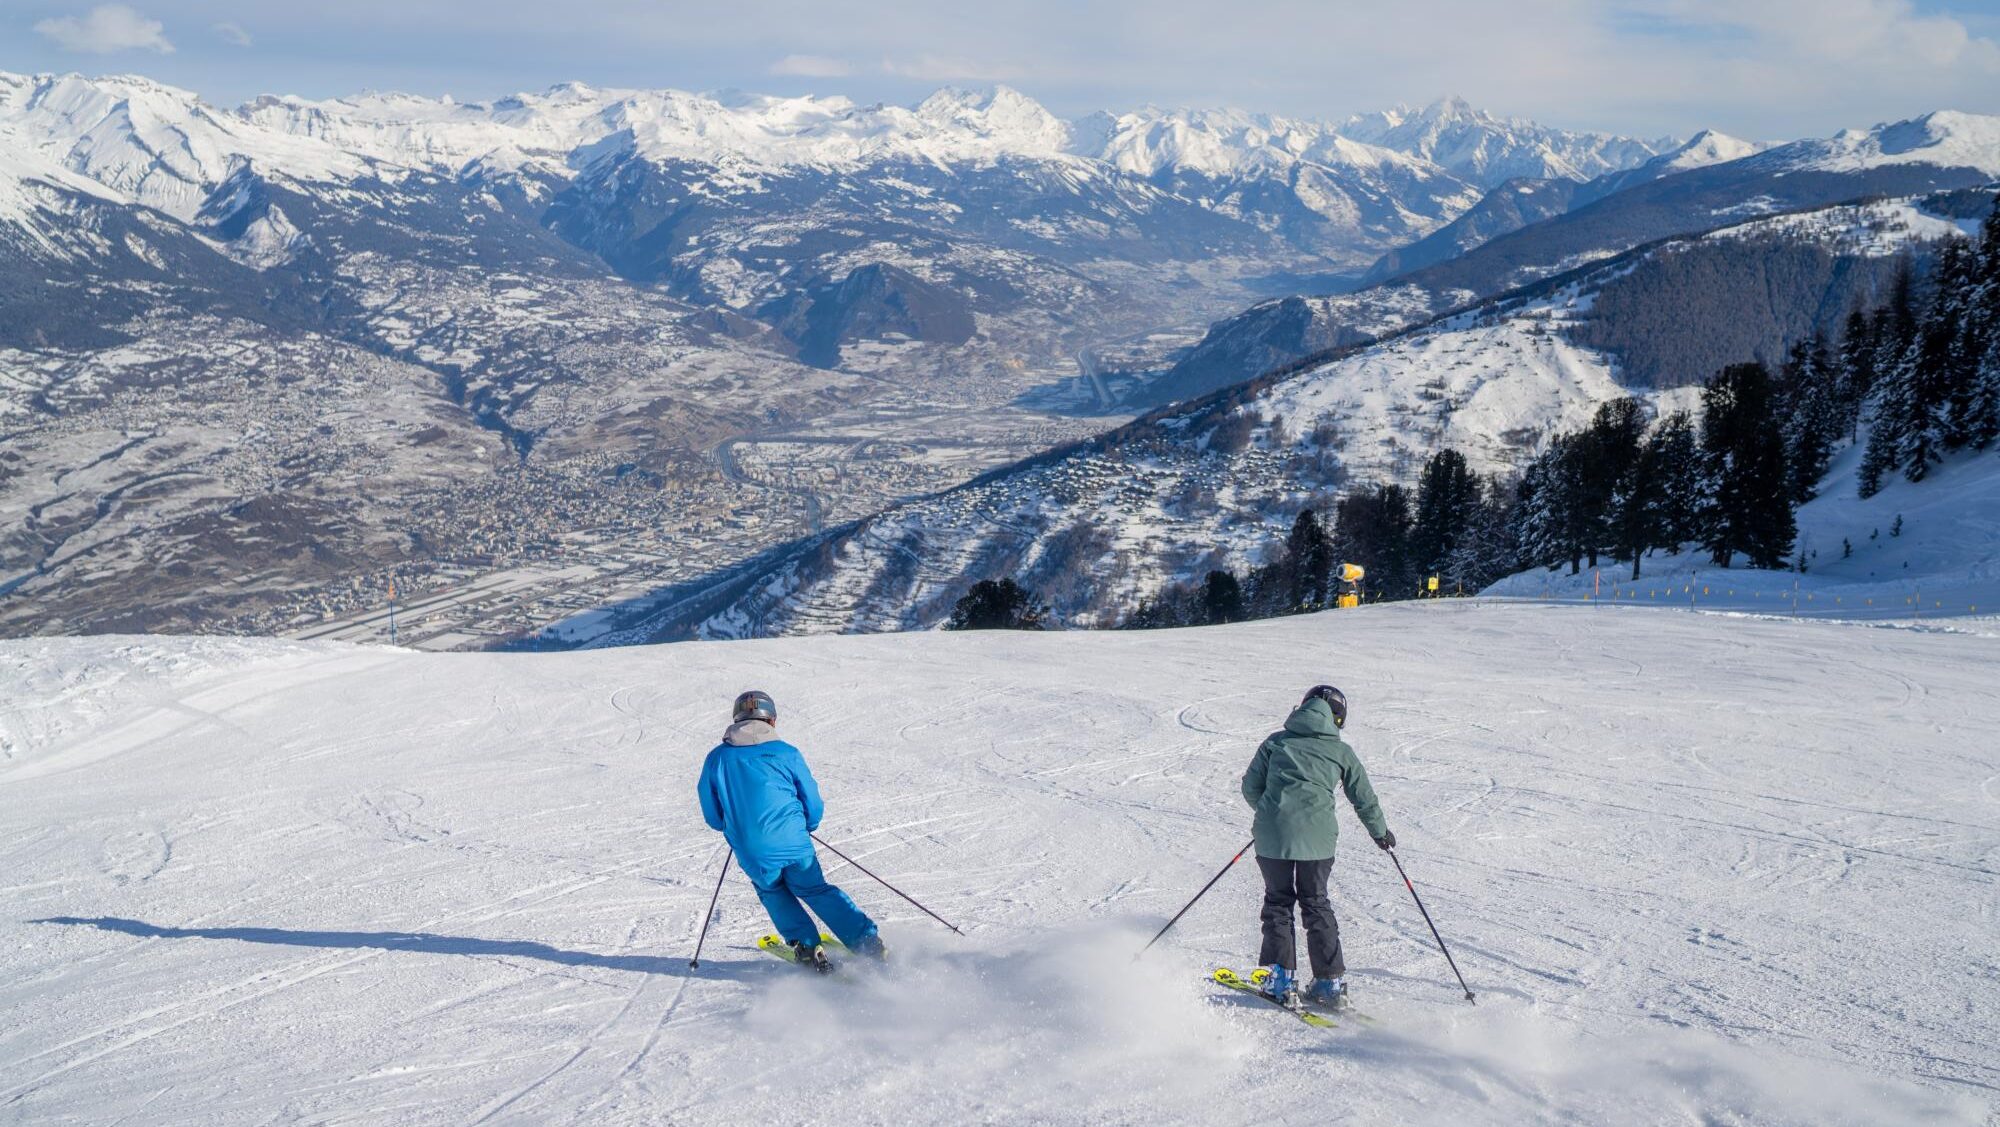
776, 947
1235, 981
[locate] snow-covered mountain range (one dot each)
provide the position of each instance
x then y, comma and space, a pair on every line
112, 128
1319, 191
1216, 482
1489, 150
1530, 228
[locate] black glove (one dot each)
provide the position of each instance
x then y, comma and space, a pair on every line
1387, 840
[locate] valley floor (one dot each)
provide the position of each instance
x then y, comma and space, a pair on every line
1699, 868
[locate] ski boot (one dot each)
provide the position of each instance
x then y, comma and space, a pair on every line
871, 946
813, 956
1279, 986
1329, 994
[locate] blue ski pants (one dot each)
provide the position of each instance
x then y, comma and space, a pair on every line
802, 880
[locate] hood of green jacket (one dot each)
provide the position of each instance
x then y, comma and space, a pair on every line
1313, 718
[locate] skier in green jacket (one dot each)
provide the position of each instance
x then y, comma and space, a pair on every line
1291, 784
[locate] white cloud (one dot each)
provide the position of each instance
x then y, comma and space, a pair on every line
108, 28
938, 68
233, 34
811, 66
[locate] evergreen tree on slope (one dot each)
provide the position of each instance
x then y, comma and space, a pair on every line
1811, 415
1541, 501
1857, 371
1486, 551
1447, 498
1637, 507
1610, 449
1677, 500
1309, 562
1936, 373
1980, 425
1745, 456
1893, 332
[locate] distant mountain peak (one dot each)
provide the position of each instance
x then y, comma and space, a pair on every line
979, 98
1001, 113
1452, 107
1490, 150
1945, 138
1707, 147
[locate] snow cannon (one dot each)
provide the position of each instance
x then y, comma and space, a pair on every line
1350, 574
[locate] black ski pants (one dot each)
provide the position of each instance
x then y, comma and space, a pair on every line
1301, 883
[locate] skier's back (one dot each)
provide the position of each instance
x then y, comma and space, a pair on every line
1291, 784
758, 791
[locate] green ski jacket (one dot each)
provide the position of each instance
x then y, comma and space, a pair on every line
1291, 784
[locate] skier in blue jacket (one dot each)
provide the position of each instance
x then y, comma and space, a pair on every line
757, 790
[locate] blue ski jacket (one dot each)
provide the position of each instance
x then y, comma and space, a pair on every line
757, 790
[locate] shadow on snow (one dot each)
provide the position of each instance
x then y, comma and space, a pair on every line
422, 942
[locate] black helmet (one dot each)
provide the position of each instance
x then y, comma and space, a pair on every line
1334, 698
754, 705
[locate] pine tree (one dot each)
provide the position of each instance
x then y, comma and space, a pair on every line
1447, 495
1372, 528
1879, 456
1922, 379
1811, 415
1745, 458
1571, 487
1951, 344
1608, 449
1983, 425
1487, 550
1636, 505
1308, 562
1537, 515
1000, 604
1676, 451
1551, 504
1895, 328
1857, 371
1222, 599
1963, 398
1899, 399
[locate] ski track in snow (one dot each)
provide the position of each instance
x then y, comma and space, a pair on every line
1699, 868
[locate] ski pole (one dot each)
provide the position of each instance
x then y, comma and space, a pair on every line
1434, 927
1197, 896
727, 856
886, 884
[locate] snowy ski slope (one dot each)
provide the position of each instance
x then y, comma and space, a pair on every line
1699, 868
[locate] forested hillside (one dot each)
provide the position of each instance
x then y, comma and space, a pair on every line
1916, 380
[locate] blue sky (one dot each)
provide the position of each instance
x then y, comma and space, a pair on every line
1756, 68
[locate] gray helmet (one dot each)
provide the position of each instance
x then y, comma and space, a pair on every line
754, 705
1334, 698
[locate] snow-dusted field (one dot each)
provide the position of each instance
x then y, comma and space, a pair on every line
1699, 868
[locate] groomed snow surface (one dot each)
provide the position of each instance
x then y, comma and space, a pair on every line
1700, 869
